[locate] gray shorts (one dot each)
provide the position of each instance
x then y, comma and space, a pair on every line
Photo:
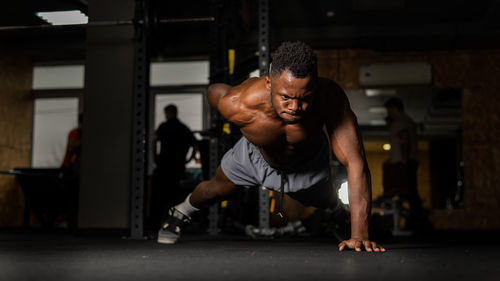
309, 182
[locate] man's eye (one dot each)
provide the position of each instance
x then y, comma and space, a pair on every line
285, 97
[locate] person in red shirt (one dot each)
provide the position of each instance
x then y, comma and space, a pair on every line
72, 156
71, 172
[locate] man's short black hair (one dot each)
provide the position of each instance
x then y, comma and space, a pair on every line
296, 57
172, 108
395, 102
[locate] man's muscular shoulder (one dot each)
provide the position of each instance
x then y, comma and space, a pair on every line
240, 104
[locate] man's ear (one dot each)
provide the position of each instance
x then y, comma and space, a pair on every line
268, 82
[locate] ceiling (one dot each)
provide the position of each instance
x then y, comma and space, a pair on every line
383, 25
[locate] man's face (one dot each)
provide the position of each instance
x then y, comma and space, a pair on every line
169, 114
291, 97
392, 111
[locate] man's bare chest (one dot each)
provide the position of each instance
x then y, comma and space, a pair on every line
276, 135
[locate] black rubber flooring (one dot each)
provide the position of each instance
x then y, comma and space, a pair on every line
59, 256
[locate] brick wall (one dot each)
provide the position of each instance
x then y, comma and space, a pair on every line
16, 114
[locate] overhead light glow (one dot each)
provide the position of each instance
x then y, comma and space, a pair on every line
379, 92
377, 122
386, 147
377, 110
63, 17
344, 193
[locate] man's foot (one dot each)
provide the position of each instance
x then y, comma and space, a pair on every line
171, 229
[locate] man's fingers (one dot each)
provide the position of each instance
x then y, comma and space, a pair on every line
357, 246
368, 246
341, 246
377, 248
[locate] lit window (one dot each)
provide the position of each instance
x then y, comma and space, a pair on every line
53, 119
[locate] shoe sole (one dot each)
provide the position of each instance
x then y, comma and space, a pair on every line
166, 240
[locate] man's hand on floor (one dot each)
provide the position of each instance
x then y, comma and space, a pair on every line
359, 244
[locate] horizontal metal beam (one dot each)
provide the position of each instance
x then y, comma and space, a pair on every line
106, 23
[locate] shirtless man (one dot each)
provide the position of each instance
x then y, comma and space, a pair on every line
290, 121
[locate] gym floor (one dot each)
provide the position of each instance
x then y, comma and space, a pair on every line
61, 256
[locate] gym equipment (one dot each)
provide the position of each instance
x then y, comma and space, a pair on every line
263, 70
48, 193
146, 25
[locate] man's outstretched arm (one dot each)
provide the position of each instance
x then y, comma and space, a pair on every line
348, 148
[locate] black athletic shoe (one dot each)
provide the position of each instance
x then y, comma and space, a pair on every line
171, 229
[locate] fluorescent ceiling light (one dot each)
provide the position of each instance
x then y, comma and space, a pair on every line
377, 110
380, 92
64, 17
377, 122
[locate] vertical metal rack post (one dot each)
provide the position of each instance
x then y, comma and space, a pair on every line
263, 48
218, 60
139, 125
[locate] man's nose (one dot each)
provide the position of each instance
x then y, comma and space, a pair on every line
294, 105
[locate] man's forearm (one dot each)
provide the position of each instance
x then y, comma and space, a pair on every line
359, 202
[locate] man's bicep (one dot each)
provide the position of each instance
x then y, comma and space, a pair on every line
346, 140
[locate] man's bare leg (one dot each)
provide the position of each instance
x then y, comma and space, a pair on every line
212, 191
205, 194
